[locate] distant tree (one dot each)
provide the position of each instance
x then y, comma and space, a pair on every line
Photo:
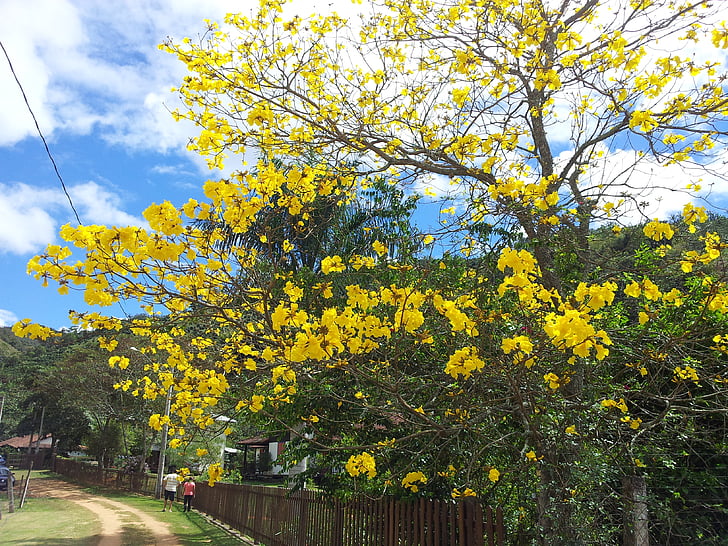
104, 442
67, 424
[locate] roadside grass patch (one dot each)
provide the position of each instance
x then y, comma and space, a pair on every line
189, 527
44, 520
48, 521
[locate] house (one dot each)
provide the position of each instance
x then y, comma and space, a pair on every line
22, 451
218, 443
260, 454
19, 443
253, 458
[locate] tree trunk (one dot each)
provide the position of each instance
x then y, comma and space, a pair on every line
636, 522
555, 514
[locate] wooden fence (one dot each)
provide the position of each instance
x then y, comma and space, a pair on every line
279, 517
90, 474
25, 460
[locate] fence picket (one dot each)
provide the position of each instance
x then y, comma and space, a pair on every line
281, 517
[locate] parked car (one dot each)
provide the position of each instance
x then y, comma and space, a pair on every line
6, 477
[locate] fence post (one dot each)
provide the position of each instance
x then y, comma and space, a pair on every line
303, 523
478, 528
636, 530
337, 530
500, 526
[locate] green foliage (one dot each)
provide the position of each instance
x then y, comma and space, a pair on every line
105, 443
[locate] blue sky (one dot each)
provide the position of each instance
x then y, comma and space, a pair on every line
100, 89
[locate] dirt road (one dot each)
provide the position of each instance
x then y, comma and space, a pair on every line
114, 516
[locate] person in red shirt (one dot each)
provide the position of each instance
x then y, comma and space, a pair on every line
189, 492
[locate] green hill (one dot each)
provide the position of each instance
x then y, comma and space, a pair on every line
7, 350
10, 344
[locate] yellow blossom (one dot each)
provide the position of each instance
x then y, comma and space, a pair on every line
108, 344
26, 328
121, 361
214, 473
256, 404
620, 405
688, 373
380, 248
467, 492
411, 479
363, 463
464, 362
332, 264
553, 380
633, 289
657, 230
522, 343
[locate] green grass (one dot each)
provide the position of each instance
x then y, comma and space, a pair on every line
189, 527
52, 522
56, 522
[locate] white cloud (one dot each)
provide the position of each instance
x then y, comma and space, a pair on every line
639, 186
172, 170
29, 216
434, 186
96, 205
655, 190
25, 223
85, 63
7, 318
24, 36
88, 65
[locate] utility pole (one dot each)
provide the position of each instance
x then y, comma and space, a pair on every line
165, 431
163, 446
40, 430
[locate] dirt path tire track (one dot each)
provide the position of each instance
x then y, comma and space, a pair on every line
112, 514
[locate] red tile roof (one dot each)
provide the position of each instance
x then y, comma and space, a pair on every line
19, 442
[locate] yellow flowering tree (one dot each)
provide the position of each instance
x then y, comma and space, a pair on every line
543, 369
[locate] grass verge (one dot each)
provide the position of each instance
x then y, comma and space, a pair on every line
49, 522
189, 527
57, 522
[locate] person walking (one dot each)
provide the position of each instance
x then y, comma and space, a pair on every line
189, 493
170, 483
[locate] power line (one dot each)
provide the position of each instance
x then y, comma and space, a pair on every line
40, 133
